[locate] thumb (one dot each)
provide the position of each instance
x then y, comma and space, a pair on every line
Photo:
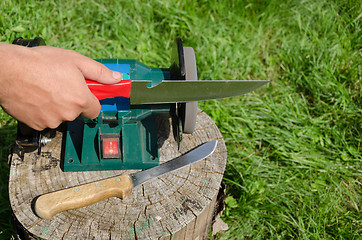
96, 71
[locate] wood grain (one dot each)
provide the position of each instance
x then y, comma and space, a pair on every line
178, 205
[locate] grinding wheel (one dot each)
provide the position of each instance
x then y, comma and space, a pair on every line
190, 108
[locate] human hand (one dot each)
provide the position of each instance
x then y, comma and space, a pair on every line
44, 86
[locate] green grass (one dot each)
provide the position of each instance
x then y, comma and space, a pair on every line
294, 147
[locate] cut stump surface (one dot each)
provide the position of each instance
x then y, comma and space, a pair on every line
178, 205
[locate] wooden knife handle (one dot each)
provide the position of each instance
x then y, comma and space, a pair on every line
47, 205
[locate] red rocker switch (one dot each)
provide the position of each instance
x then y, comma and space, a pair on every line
110, 147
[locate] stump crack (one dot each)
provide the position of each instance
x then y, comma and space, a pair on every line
34, 224
135, 227
209, 172
71, 224
90, 228
180, 176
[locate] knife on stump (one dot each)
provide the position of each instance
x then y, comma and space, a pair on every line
47, 205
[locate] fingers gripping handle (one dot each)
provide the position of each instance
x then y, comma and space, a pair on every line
102, 91
47, 205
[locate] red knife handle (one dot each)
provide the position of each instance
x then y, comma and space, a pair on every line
102, 91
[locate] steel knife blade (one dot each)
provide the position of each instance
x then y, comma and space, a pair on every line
47, 205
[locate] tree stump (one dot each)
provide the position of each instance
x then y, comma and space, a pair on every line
178, 205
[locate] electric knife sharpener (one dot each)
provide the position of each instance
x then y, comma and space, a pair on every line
124, 136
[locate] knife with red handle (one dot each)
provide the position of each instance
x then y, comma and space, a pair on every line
172, 91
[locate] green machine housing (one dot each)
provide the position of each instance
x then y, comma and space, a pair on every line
124, 136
